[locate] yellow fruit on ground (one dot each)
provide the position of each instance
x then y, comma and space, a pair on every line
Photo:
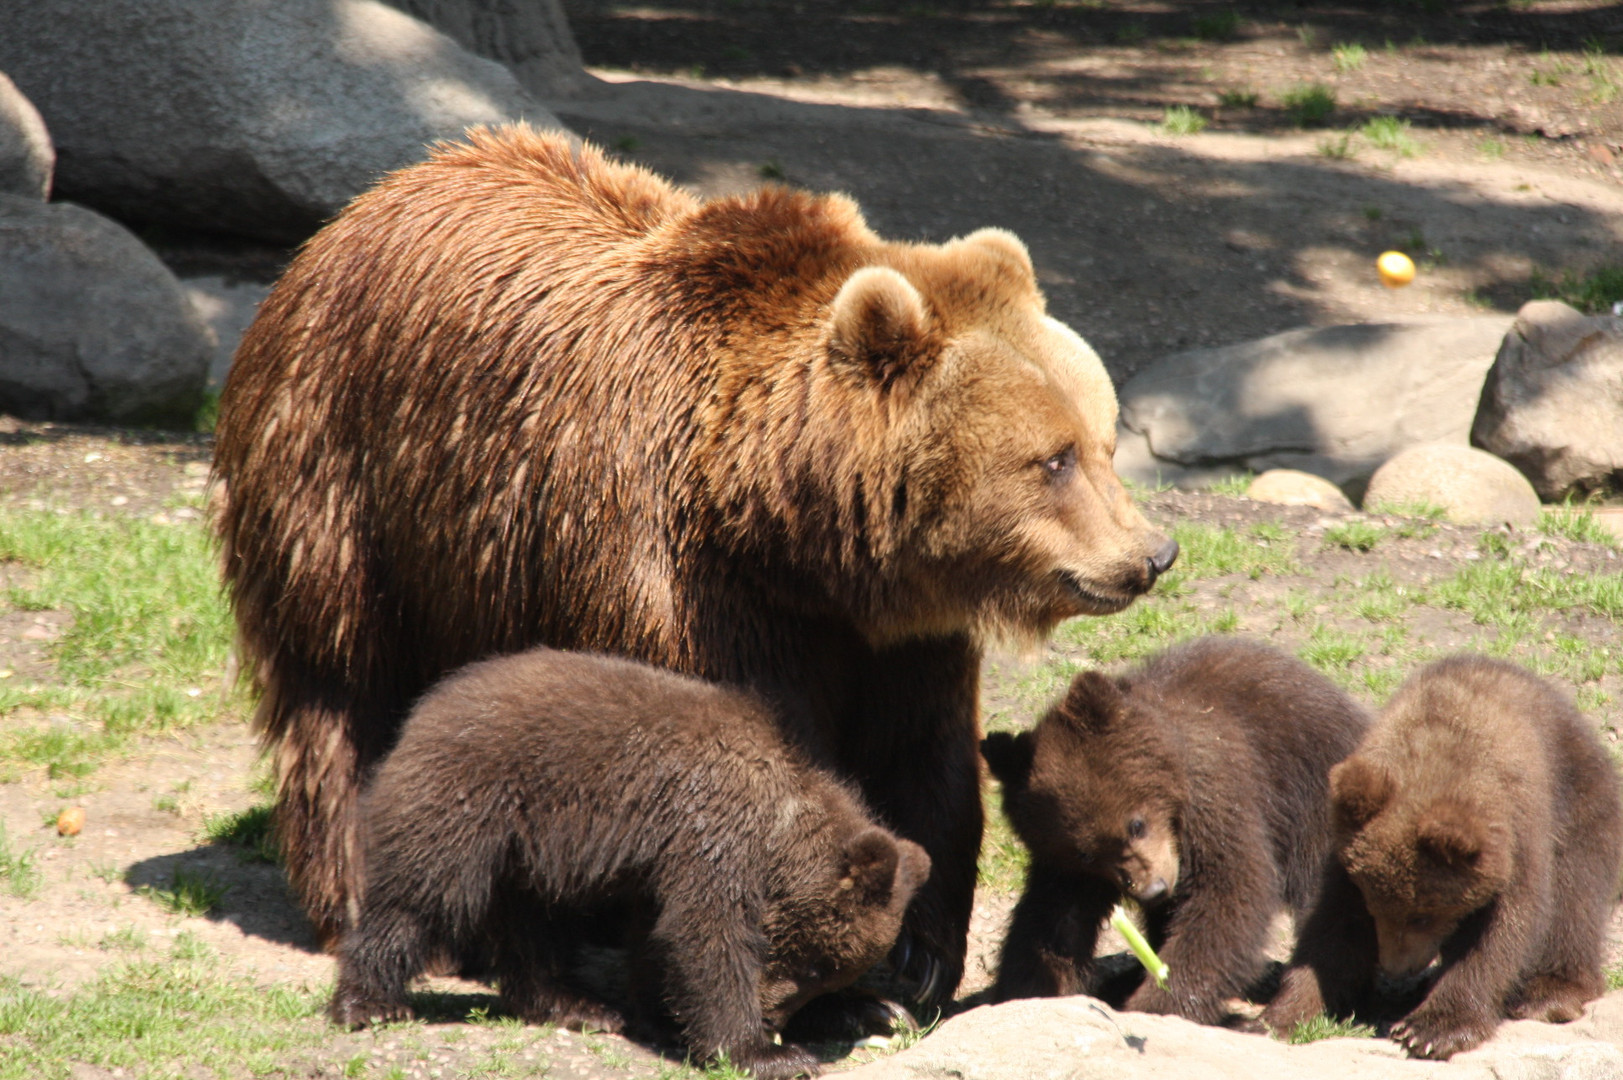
1396, 269
70, 821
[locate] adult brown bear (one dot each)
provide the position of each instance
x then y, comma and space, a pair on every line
519, 394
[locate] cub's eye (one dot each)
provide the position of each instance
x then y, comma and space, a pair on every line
1135, 829
1061, 464
1419, 922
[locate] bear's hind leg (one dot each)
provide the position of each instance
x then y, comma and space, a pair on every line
1556, 999
532, 953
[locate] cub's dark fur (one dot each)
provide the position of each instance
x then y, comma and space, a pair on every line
1196, 784
1478, 826
529, 793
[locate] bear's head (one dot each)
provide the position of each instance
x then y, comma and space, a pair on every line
838, 920
1423, 864
931, 447
1093, 790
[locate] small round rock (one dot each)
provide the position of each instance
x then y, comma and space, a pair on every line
1292, 487
1471, 486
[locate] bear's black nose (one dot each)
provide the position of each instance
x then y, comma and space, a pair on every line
1162, 560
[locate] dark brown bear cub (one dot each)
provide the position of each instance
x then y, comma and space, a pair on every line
529, 793
1195, 784
1478, 829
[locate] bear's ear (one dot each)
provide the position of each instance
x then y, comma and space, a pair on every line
868, 867
1091, 703
880, 325
1008, 247
1008, 755
1451, 835
1359, 789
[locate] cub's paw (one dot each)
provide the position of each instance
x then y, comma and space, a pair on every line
769, 1062
353, 1009
847, 1017
1428, 1033
1552, 1000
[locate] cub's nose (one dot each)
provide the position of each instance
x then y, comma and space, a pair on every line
1155, 890
1161, 561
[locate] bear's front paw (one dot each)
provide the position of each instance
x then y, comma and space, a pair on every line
769, 1062
1439, 1035
919, 974
355, 1010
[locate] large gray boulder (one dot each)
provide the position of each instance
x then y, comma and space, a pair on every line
1334, 401
1079, 1038
531, 39
1552, 404
26, 156
92, 325
248, 117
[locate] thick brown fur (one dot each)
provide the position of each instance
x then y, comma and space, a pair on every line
1195, 784
519, 394
532, 793
1478, 825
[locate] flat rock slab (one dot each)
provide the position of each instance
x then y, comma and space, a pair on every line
1080, 1038
1335, 401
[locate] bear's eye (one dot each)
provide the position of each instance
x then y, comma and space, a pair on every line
1135, 829
1060, 465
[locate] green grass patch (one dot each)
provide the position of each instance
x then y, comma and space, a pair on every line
1497, 593
250, 830
1310, 104
17, 868
1238, 98
1592, 292
1354, 536
1323, 1027
188, 893
1338, 147
1348, 56
1234, 484
1331, 651
146, 647
169, 1017
1390, 133
1182, 120
1575, 523
1213, 551
1004, 859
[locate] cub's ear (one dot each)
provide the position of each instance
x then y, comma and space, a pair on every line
1359, 789
1451, 835
1008, 755
1092, 702
868, 867
880, 325
1009, 248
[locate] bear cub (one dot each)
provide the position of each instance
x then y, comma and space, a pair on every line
1478, 840
1195, 784
532, 794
